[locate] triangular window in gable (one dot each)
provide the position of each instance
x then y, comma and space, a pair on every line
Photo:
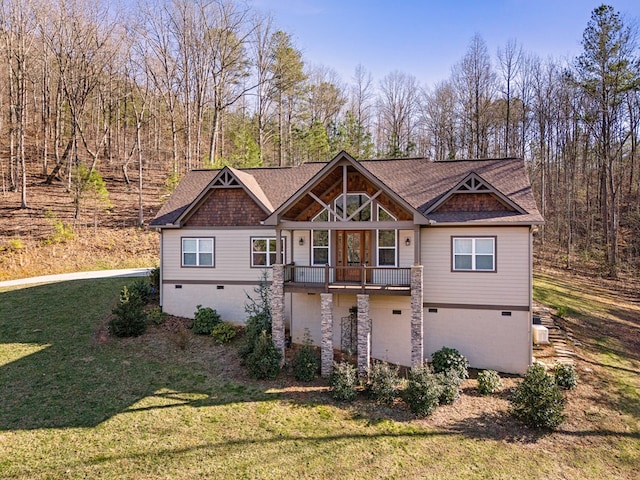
384, 215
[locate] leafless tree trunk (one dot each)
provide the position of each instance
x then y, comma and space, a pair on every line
509, 61
398, 108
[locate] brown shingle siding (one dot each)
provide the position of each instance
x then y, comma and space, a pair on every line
473, 202
227, 207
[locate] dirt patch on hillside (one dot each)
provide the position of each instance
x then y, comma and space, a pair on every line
46, 237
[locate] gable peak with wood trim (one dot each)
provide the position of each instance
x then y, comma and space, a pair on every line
474, 194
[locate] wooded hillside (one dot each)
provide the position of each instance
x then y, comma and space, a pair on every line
102, 110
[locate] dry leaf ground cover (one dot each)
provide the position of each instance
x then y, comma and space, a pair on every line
75, 403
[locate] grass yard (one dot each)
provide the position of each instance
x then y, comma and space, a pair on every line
77, 404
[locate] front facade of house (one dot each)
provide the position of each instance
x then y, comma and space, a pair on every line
389, 259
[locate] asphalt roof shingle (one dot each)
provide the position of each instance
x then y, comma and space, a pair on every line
421, 182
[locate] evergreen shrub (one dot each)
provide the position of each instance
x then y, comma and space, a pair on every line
129, 318
449, 359
205, 318
306, 364
449, 387
422, 392
344, 380
566, 376
264, 361
489, 382
383, 382
223, 333
538, 402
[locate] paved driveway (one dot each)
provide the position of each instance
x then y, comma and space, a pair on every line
63, 277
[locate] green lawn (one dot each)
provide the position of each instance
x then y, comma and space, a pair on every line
72, 406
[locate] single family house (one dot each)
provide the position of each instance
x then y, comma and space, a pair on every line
392, 259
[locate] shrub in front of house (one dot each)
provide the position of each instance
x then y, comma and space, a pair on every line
344, 380
422, 392
256, 324
259, 319
264, 361
142, 289
306, 364
205, 318
566, 376
156, 315
154, 280
129, 318
383, 382
223, 333
449, 359
489, 382
449, 387
538, 402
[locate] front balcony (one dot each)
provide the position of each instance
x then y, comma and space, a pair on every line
351, 279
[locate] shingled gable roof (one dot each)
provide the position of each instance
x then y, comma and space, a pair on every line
419, 182
423, 182
254, 188
339, 159
270, 186
474, 183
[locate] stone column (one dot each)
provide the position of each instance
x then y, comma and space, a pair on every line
277, 308
326, 312
364, 335
417, 316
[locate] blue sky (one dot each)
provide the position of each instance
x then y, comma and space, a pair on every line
426, 38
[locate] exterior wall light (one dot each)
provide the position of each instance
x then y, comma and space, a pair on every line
407, 242
301, 241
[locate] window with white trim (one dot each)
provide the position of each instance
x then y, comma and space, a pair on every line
320, 247
387, 248
472, 254
197, 252
384, 215
323, 216
263, 251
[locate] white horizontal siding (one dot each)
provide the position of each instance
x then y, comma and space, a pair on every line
509, 285
302, 253
405, 255
232, 254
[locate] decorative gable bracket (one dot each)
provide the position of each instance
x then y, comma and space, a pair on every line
474, 183
225, 179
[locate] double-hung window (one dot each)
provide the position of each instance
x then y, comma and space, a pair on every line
471, 254
387, 248
197, 252
263, 251
320, 247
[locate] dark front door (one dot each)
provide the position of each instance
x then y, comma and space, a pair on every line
352, 253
